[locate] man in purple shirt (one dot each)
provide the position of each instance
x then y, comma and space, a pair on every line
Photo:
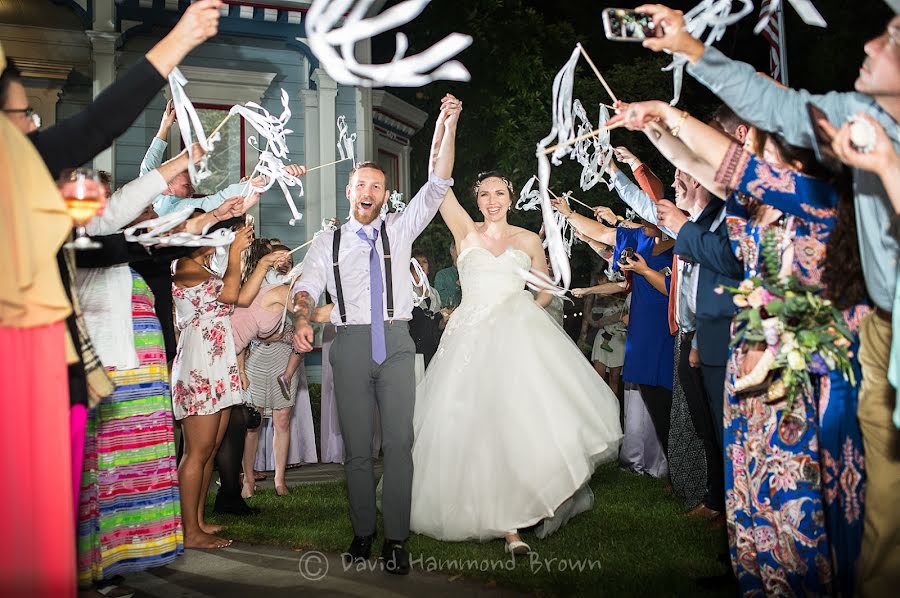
364, 265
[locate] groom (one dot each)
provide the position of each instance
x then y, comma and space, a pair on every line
364, 265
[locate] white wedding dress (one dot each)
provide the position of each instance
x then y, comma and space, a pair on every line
511, 419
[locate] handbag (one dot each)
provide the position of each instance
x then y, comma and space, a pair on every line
252, 414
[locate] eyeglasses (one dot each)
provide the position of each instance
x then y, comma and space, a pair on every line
29, 113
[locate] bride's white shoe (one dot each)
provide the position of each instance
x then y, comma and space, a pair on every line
517, 548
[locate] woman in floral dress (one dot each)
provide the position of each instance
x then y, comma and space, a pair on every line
205, 380
794, 466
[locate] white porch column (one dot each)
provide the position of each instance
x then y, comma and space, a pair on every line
326, 87
312, 183
365, 146
103, 53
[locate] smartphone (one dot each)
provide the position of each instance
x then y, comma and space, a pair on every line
626, 255
822, 140
626, 25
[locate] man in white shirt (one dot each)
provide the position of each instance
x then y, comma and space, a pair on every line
372, 355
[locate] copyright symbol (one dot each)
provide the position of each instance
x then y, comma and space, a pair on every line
313, 565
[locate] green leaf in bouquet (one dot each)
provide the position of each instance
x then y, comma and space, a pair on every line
755, 318
808, 339
775, 307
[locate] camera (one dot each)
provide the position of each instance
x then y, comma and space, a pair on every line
626, 25
626, 255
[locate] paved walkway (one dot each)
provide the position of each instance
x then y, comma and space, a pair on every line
248, 571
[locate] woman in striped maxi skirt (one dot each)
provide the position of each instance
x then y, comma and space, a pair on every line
129, 515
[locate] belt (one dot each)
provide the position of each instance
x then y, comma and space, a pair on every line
883, 314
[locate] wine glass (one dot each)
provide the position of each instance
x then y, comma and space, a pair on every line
85, 196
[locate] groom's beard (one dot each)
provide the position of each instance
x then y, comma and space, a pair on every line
364, 214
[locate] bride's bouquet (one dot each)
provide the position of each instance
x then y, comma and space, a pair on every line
803, 332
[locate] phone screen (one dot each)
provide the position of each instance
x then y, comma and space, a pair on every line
623, 24
821, 139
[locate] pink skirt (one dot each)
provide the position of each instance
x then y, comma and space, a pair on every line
37, 525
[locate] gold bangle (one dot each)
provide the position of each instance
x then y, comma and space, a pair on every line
677, 128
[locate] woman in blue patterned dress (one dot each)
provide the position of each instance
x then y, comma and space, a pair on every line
794, 466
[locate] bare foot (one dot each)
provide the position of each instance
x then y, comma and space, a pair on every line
211, 528
282, 490
247, 491
205, 540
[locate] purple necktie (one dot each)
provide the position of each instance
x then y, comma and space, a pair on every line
376, 290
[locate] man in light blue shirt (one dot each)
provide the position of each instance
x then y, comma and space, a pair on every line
180, 191
771, 107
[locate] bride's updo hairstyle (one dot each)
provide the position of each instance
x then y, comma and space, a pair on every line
492, 174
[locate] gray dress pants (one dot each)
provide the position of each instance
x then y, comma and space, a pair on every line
359, 383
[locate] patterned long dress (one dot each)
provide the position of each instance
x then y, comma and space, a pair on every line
794, 478
129, 514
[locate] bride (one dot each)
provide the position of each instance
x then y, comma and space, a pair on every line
510, 419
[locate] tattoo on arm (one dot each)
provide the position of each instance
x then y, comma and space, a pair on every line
304, 306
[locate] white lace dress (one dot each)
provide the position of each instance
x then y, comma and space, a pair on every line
511, 419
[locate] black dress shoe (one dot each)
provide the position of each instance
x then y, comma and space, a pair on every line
396, 558
360, 549
233, 506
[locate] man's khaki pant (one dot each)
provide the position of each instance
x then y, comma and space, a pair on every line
879, 562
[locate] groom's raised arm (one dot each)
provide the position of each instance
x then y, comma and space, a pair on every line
424, 206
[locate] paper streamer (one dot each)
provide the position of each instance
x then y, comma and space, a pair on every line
594, 153
420, 288
273, 129
807, 11
562, 131
707, 22
155, 229
189, 125
529, 197
346, 144
334, 45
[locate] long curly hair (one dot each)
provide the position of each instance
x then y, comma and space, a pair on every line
258, 249
842, 267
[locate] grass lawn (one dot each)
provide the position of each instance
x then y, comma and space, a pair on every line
632, 543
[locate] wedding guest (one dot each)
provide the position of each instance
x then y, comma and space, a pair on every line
179, 193
883, 160
784, 111
808, 220
205, 379
446, 282
427, 320
649, 349
37, 522
608, 353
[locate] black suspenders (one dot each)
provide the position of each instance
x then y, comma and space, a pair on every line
388, 278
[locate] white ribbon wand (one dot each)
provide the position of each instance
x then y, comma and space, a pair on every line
324, 37
188, 124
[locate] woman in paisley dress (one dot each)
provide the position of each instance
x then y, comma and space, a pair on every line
510, 420
794, 465
205, 379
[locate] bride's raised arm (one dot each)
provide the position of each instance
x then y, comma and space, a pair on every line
455, 216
